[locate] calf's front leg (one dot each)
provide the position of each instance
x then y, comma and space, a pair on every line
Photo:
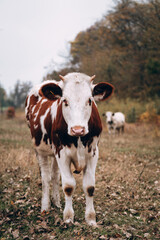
68, 185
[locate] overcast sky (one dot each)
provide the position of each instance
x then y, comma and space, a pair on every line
35, 33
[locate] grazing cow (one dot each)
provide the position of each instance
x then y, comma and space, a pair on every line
65, 125
115, 121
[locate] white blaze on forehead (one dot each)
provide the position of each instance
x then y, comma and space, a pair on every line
76, 86
79, 77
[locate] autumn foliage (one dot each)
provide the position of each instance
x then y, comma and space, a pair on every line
123, 48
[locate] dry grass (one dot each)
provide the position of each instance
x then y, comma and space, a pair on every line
127, 187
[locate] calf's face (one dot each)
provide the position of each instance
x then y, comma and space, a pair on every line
77, 94
109, 117
77, 106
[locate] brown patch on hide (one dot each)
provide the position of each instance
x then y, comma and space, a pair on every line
95, 127
26, 101
89, 149
40, 110
68, 190
48, 127
77, 172
94, 152
33, 100
90, 191
36, 109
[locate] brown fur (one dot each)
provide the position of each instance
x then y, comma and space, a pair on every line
90, 191
68, 190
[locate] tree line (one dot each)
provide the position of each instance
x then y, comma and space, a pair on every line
122, 48
16, 97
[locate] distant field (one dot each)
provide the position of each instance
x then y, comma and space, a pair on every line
127, 196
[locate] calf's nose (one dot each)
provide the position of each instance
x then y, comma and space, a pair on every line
110, 122
77, 131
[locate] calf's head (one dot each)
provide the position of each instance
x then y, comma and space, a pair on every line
77, 94
109, 117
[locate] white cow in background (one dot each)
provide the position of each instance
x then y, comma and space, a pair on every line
115, 121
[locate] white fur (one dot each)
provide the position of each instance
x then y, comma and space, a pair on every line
42, 122
35, 126
54, 110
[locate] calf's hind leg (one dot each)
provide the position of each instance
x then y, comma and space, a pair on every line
55, 183
46, 178
89, 186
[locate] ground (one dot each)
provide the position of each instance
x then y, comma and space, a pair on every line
126, 195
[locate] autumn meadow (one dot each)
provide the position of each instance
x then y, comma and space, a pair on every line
126, 199
122, 48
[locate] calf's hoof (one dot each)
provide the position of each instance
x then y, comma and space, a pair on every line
93, 224
45, 207
68, 216
91, 219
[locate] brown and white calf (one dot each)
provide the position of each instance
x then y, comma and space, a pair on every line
65, 124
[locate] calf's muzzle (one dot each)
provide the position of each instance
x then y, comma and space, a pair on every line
77, 131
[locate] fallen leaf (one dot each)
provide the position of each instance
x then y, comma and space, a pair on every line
44, 225
19, 201
15, 233
102, 237
146, 235
58, 220
133, 211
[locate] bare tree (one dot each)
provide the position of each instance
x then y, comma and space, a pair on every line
19, 93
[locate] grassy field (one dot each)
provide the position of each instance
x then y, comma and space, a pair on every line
127, 187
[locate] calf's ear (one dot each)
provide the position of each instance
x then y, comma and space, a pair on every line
50, 91
102, 91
